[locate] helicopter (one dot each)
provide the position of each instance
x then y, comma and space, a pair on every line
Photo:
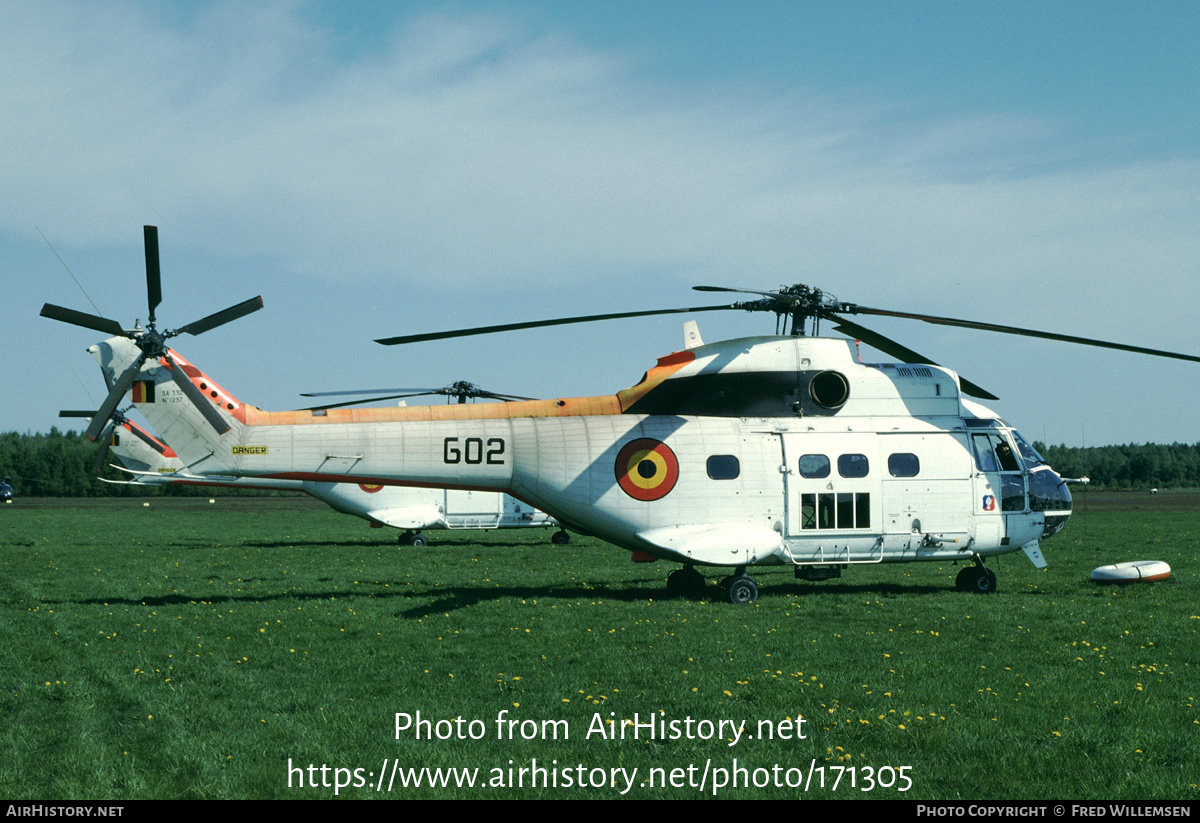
153, 463
782, 450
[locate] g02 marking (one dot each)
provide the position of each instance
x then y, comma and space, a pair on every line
473, 451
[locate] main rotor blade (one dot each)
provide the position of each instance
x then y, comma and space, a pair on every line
222, 317
738, 291
88, 321
360, 402
851, 308
77, 413
903, 353
105, 412
505, 397
201, 402
561, 321
367, 391
776, 296
153, 275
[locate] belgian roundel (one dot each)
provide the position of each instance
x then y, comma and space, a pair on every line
369, 489
647, 469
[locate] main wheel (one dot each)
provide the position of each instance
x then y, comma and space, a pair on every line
742, 590
560, 538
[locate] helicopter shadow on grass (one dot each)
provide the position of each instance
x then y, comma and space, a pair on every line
810, 589
393, 543
633, 591
459, 597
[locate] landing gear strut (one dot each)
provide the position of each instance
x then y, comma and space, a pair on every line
740, 589
977, 579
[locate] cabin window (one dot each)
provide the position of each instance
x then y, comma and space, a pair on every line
904, 465
814, 465
724, 467
853, 465
843, 510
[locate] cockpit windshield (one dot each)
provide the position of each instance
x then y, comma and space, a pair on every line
1028, 453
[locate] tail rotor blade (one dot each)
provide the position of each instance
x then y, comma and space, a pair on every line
222, 317
201, 402
153, 273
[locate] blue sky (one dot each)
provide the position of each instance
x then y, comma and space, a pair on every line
375, 169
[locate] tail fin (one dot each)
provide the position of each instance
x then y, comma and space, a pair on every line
189, 410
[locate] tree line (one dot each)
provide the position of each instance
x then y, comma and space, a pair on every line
62, 464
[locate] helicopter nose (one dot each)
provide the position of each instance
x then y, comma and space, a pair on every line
1049, 493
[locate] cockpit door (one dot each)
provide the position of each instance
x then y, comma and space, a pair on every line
999, 486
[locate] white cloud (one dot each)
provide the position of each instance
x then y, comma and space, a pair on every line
468, 147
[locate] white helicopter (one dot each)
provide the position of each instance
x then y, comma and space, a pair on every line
153, 463
780, 450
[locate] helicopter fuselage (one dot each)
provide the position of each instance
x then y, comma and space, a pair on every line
776, 450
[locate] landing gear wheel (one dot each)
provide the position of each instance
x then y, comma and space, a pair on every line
416, 538
560, 538
977, 579
686, 582
741, 590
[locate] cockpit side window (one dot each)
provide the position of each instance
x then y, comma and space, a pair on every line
1008, 459
985, 458
993, 454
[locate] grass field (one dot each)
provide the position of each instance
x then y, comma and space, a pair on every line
197, 650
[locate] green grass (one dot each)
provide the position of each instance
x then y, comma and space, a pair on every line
191, 650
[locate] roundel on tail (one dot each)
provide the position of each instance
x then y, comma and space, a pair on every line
646, 469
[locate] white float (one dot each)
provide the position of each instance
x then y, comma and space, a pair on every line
1147, 571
